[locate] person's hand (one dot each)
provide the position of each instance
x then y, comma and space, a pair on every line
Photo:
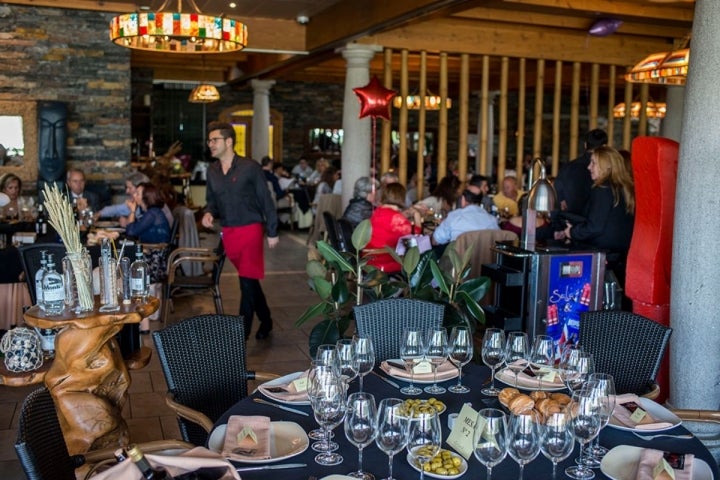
82, 204
123, 221
567, 230
207, 220
559, 235
273, 241
563, 205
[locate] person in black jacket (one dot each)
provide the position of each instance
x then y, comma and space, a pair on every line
573, 182
361, 205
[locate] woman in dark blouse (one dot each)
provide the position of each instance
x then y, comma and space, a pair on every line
153, 226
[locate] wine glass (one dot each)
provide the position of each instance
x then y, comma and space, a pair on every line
517, 352
328, 404
493, 354
364, 355
392, 429
412, 352
436, 351
347, 365
605, 388
523, 442
575, 368
318, 374
490, 438
556, 439
326, 354
424, 438
361, 427
584, 411
542, 355
460, 352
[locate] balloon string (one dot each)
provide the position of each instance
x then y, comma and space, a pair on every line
374, 164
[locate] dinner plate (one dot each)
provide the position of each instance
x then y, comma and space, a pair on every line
657, 411
287, 439
284, 381
422, 380
463, 468
507, 377
621, 463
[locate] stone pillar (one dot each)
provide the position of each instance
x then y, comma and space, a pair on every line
672, 123
695, 341
357, 132
260, 142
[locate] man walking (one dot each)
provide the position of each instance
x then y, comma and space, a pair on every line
238, 195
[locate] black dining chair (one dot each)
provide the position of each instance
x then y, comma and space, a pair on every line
384, 321
627, 346
30, 256
203, 360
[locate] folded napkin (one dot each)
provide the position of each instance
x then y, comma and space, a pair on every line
176, 465
446, 371
649, 458
247, 448
622, 415
290, 393
526, 381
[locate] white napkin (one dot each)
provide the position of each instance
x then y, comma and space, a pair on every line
622, 415
526, 381
446, 371
260, 446
649, 458
290, 395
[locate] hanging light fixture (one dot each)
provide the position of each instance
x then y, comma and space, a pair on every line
413, 102
665, 68
204, 93
652, 110
178, 32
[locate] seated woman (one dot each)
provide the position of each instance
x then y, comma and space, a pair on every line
388, 225
153, 226
122, 209
327, 181
361, 205
11, 185
443, 199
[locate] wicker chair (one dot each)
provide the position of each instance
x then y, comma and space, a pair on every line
630, 347
385, 320
203, 359
41, 448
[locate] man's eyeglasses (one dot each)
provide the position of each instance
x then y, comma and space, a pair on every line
213, 140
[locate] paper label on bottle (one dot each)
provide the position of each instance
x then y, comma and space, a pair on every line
300, 384
663, 470
137, 284
422, 367
461, 435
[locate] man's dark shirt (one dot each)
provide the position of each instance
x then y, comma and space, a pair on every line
573, 184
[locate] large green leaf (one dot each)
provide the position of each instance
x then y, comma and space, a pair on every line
476, 287
323, 287
315, 268
313, 311
324, 332
361, 235
340, 291
439, 277
472, 307
411, 260
333, 256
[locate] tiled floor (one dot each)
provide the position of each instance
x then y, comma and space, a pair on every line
288, 295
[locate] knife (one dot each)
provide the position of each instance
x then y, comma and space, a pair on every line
386, 380
280, 466
396, 364
281, 407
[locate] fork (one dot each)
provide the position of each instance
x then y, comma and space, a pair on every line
651, 437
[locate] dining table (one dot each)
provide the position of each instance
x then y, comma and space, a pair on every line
475, 376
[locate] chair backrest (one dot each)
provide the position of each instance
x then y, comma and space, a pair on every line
483, 241
629, 347
327, 202
218, 266
186, 236
345, 230
332, 229
384, 321
40, 445
203, 359
31, 255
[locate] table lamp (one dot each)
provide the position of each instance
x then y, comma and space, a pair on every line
542, 198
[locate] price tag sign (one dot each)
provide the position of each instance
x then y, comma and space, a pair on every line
638, 415
663, 471
300, 384
422, 367
461, 435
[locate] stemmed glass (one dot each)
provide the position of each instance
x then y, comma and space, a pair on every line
364, 355
556, 439
328, 404
318, 374
605, 389
460, 352
424, 438
517, 352
575, 367
490, 438
584, 411
326, 354
523, 442
542, 355
361, 427
392, 429
436, 351
347, 362
412, 351
493, 354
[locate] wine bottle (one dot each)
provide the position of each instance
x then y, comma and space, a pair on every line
139, 276
148, 472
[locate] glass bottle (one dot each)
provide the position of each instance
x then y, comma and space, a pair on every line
125, 274
39, 279
108, 279
53, 289
139, 276
41, 221
148, 472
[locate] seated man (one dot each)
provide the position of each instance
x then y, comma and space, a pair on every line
507, 200
469, 217
78, 195
122, 209
302, 170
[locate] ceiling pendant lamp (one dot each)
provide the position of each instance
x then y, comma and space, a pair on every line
652, 110
664, 68
204, 93
413, 102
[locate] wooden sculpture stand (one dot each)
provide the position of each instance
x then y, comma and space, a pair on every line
88, 378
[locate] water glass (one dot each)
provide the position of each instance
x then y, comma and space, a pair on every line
424, 439
347, 366
605, 389
412, 352
556, 439
328, 404
326, 354
584, 410
517, 353
361, 427
317, 374
523, 442
490, 438
392, 429
493, 354
542, 355
365, 356
576, 368
436, 352
460, 352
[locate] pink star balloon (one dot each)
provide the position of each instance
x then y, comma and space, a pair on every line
374, 99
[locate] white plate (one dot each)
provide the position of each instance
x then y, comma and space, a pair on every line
421, 380
657, 411
507, 377
463, 468
621, 463
287, 439
284, 381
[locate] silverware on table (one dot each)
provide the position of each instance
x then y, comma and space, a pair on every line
396, 364
664, 435
282, 407
386, 380
279, 466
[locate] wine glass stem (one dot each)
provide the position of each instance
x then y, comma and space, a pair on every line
390, 462
489, 473
554, 474
434, 376
361, 382
492, 377
360, 459
412, 377
520, 477
581, 458
459, 384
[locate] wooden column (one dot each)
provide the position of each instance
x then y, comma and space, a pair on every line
574, 111
402, 126
626, 121
520, 152
484, 107
463, 123
503, 111
442, 119
557, 102
537, 128
421, 126
611, 104
644, 94
594, 82
385, 140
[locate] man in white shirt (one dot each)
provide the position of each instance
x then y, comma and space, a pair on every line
469, 217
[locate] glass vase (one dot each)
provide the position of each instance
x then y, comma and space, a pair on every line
80, 290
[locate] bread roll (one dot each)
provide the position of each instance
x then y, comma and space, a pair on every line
549, 407
521, 404
507, 394
538, 395
561, 398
